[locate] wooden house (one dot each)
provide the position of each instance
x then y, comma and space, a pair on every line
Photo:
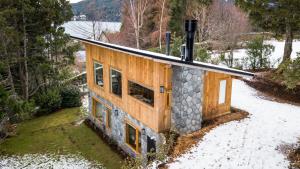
136, 95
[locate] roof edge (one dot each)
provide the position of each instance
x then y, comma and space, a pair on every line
170, 59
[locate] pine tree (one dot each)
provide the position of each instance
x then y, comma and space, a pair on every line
177, 16
279, 16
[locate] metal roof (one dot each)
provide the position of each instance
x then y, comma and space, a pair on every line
167, 59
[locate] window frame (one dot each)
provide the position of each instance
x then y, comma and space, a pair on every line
138, 136
110, 83
94, 70
147, 104
94, 104
108, 118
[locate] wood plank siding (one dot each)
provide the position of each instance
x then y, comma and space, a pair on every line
145, 72
211, 106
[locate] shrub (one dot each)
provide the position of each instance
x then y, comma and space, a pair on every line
202, 55
176, 45
48, 101
70, 96
259, 53
20, 109
291, 73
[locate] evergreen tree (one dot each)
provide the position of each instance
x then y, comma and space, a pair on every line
279, 16
177, 16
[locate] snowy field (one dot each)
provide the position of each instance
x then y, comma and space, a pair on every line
251, 143
30, 161
84, 29
276, 56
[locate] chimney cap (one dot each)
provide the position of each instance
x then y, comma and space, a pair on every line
190, 25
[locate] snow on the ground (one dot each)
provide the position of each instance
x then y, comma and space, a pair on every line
251, 143
30, 161
275, 57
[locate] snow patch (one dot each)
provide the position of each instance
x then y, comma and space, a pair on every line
249, 143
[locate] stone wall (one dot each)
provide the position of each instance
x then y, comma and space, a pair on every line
187, 91
118, 125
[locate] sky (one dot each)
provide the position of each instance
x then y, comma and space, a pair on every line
74, 1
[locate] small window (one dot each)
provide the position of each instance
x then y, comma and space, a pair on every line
108, 118
116, 82
98, 70
133, 138
141, 93
98, 109
222, 92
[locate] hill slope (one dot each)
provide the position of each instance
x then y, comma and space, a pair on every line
111, 9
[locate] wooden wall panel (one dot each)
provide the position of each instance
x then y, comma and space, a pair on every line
140, 70
211, 106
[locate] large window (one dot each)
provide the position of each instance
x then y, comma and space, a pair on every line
222, 92
116, 82
98, 109
141, 93
98, 73
133, 138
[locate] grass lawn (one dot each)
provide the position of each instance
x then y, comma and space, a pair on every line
56, 134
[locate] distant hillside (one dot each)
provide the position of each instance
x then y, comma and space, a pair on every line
111, 9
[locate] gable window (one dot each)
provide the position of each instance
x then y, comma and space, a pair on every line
98, 73
133, 137
141, 93
116, 82
98, 109
222, 91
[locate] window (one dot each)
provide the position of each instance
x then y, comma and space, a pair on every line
116, 82
98, 109
98, 71
133, 138
222, 92
108, 118
141, 93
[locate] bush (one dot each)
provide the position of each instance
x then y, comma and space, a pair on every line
259, 53
48, 101
20, 109
202, 55
70, 96
291, 73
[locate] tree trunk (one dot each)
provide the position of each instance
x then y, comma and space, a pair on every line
160, 24
288, 44
26, 81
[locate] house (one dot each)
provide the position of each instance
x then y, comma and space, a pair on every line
135, 95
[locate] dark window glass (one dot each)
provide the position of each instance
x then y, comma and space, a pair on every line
98, 70
116, 82
141, 93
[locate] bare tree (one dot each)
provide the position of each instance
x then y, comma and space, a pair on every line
95, 15
137, 10
162, 3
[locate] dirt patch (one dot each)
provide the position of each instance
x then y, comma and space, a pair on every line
293, 154
186, 142
274, 89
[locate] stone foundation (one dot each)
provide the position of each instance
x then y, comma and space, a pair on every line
118, 127
187, 91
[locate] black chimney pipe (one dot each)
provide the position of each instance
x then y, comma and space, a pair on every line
190, 29
168, 42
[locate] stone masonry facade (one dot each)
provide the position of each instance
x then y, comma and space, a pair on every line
118, 126
187, 94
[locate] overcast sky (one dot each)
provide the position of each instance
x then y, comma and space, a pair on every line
74, 1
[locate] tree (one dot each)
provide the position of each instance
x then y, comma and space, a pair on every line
137, 10
177, 16
34, 49
259, 53
279, 16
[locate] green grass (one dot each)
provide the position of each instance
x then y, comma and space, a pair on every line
56, 134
